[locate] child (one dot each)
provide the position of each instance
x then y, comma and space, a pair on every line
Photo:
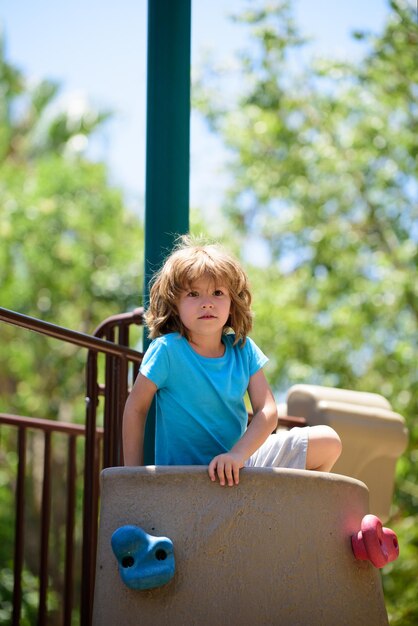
200, 365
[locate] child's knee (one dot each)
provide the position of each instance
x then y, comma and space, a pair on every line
332, 441
324, 447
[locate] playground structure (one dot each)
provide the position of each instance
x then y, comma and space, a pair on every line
274, 550
278, 548
285, 546
372, 435
370, 431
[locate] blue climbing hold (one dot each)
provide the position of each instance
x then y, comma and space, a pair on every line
145, 562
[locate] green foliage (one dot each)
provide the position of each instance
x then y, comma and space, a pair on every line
28, 127
399, 577
70, 254
29, 609
69, 250
324, 168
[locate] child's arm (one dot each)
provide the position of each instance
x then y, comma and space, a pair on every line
226, 466
134, 418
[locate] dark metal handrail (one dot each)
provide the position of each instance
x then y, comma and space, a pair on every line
46, 425
117, 358
74, 337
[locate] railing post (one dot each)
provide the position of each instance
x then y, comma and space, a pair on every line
69, 530
19, 538
45, 523
89, 518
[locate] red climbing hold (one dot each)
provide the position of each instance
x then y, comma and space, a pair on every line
375, 543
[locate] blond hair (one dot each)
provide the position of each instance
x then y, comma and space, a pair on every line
188, 263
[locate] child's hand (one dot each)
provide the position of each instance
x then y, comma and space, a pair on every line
226, 467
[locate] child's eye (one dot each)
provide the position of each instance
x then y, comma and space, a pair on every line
218, 292
192, 294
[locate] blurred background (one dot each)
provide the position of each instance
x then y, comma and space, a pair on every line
97, 53
304, 159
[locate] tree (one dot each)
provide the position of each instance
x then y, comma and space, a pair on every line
324, 168
70, 251
71, 254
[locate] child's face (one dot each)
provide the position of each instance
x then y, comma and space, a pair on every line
204, 308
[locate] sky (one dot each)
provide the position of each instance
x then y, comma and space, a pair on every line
96, 50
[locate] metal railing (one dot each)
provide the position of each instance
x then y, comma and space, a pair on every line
110, 339
49, 428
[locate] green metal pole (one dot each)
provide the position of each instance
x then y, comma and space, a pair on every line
168, 143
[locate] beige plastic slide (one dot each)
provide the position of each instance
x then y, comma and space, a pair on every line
373, 436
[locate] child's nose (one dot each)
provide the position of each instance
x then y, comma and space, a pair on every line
207, 304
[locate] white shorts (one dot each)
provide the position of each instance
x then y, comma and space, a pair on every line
287, 448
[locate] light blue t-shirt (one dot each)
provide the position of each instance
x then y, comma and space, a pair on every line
200, 408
